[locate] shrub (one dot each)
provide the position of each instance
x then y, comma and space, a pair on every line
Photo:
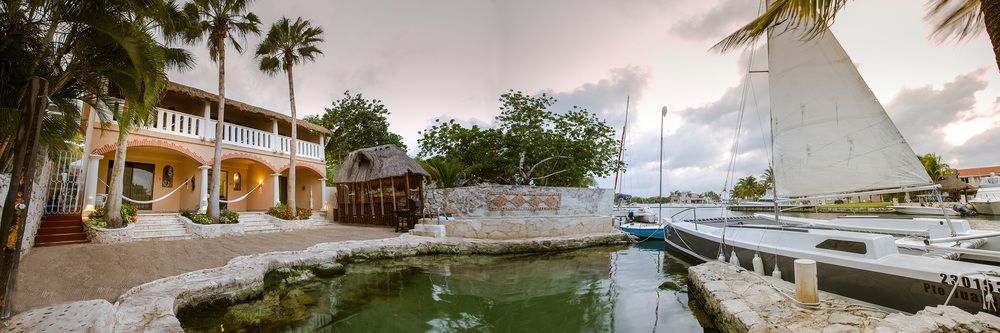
195, 217
229, 217
282, 211
128, 213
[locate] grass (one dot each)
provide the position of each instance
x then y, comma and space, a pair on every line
859, 205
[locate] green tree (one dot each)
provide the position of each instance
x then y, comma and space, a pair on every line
748, 188
952, 19
935, 168
445, 173
530, 144
711, 196
354, 123
220, 21
286, 45
767, 179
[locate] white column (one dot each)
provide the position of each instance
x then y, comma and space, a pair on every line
277, 188
90, 188
274, 135
203, 189
322, 197
206, 120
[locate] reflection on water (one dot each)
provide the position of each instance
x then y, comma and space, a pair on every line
640, 288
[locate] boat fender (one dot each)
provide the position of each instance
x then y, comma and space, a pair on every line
722, 257
758, 264
776, 273
733, 259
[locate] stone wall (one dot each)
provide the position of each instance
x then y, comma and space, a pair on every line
509, 212
109, 236
212, 230
37, 207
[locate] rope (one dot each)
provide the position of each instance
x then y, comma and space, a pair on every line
143, 202
244, 196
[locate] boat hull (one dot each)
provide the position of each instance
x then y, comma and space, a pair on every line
650, 232
921, 210
893, 291
988, 208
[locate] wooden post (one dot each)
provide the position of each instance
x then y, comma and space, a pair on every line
806, 285
381, 202
15, 211
371, 201
409, 207
395, 217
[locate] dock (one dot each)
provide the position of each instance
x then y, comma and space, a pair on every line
742, 301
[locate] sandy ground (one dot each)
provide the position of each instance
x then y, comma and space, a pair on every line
53, 275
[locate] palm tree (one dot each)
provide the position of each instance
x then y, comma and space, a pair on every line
767, 180
220, 20
747, 187
143, 94
952, 19
935, 168
445, 172
286, 45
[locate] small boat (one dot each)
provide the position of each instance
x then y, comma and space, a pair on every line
627, 214
987, 200
643, 231
923, 210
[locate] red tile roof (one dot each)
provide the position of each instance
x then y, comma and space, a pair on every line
981, 171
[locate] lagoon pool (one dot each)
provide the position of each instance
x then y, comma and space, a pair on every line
638, 288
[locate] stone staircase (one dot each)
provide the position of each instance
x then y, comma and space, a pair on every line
319, 216
60, 230
256, 223
159, 227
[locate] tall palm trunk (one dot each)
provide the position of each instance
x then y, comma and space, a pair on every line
214, 191
292, 150
991, 15
112, 209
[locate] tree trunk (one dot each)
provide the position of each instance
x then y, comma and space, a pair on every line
292, 150
113, 206
213, 185
991, 15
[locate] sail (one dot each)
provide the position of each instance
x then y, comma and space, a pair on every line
830, 133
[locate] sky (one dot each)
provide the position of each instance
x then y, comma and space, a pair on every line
451, 59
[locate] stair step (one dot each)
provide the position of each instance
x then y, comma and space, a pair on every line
170, 237
160, 234
57, 224
60, 237
43, 244
62, 217
46, 230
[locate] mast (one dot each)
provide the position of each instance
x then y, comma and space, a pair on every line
621, 146
659, 200
770, 111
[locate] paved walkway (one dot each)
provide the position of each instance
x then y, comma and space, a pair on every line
53, 275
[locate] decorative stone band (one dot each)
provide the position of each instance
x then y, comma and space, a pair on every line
514, 201
151, 307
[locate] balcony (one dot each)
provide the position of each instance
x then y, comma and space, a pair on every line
191, 126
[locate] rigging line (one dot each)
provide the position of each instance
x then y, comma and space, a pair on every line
735, 149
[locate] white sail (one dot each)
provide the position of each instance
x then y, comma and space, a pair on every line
831, 135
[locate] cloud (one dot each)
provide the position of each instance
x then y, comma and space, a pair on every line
922, 113
606, 98
717, 22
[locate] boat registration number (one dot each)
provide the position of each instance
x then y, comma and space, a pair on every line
967, 282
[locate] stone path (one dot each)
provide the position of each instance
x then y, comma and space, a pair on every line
52, 275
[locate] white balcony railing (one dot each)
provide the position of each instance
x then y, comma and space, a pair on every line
188, 125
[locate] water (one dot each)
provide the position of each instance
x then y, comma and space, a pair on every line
638, 288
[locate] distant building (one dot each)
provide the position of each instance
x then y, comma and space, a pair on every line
974, 175
687, 198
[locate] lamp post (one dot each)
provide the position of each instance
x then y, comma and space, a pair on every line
659, 209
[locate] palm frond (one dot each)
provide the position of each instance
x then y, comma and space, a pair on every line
814, 16
955, 19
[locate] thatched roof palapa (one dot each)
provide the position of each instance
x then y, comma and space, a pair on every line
231, 103
378, 162
951, 183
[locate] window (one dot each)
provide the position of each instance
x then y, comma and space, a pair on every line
236, 182
843, 246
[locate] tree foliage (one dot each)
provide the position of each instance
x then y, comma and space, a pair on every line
935, 168
529, 144
748, 188
354, 123
444, 172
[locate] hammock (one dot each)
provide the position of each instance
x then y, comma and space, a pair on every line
154, 200
244, 196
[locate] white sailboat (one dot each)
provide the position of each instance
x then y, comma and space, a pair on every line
831, 138
987, 200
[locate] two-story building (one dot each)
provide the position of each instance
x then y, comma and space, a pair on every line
169, 161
